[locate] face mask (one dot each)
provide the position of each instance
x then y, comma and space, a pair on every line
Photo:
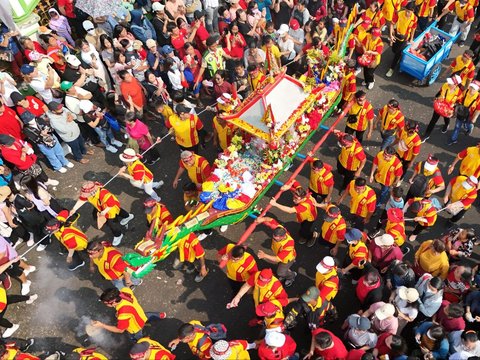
130, 48
174, 67
91, 32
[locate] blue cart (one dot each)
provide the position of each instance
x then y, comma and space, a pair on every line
427, 71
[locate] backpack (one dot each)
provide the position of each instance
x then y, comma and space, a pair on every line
420, 183
213, 331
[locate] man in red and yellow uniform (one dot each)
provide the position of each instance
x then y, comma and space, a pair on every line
395, 225
464, 16
71, 237
326, 278
86, 354
391, 120
351, 159
189, 250
425, 10
266, 287
155, 210
430, 170
305, 210
390, 9
188, 128
240, 265
148, 349
130, 315
467, 111
110, 264
362, 202
107, 206
450, 93
333, 227
356, 38
197, 167
223, 132
11, 352
373, 46
460, 195
409, 144
425, 215
464, 67
360, 117
402, 32
272, 315
283, 248
193, 334
386, 170
321, 180
470, 164
357, 253
138, 174
349, 84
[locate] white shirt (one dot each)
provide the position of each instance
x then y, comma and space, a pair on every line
287, 45
8, 87
38, 84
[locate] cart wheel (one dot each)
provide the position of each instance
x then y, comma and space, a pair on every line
434, 73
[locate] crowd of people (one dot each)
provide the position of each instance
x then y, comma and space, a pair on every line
86, 85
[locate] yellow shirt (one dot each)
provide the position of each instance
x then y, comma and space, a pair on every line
431, 262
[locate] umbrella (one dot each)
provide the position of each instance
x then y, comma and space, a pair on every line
97, 8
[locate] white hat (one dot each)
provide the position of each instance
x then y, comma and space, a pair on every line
128, 155
429, 166
454, 80
275, 339
283, 29
72, 60
384, 240
221, 350
409, 294
470, 182
156, 6
86, 106
385, 311
474, 85
325, 265
150, 43
88, 26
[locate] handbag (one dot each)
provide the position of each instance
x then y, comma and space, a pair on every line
5, 230
353, 118
114, 125
34, 170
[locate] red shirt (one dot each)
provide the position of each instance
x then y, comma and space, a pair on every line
355, 354
9, 124
336, 352
200, 36
135, 90
14, 156
37, 48
35, 106
381, 347
68, 5
449, 324
178, 43
267, 353
362, 290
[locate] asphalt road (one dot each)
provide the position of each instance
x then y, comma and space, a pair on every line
67, 300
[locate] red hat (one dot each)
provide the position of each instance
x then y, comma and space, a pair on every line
294, 24
63, 215
395, 215
376, 32
264, 277
266, 309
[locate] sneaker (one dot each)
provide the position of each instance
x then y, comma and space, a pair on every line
26, 287
199, 278
313, 240
75, 267
31, 241
389, 73
290, 282
451, 142
29, 270
116, 143
375, 233
425, 139
31, 299
69, 165
111, 148
117, 240
461, 43
52, 182
202, 236
158, 184
62, 170
29, 343
19, 241
41, 247
7, 282
444, 129
469, 131
125, 221
223, 228
9, 332
370, 85
177, 264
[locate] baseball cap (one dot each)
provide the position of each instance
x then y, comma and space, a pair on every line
385, 311
470, 182
6, 139
312, 293
53, 105
275, 339
294, 24
409, 294
150, 43
72, 60
167, 49
431, 163
16, 97
66, 85
384, 240
331, 213
264, 277
149, 204
212, 39
454, 80
395, 215
325, 265
27, 69
266, 309
198, 14
359, 322
156, 6
283, 29
353, 235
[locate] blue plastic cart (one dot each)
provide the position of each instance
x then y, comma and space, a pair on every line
427, 71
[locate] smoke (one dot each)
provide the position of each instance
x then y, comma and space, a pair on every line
97, 336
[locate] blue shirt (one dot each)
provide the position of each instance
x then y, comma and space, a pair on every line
12, 45
265, 4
